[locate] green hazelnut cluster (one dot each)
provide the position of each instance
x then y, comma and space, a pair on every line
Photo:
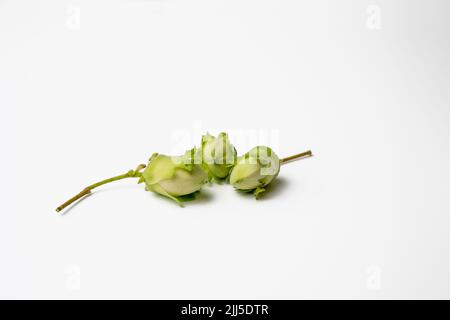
181, 177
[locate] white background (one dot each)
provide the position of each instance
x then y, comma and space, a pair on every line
90, 89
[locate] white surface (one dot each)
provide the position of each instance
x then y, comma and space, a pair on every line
367, 217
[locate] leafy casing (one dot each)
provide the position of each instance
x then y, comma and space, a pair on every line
173, 177
218, 155
255, 170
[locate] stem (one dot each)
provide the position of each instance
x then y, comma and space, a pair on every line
130, 174
297, 156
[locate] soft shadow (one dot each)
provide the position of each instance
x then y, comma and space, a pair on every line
272, 190
275, 188
219, 181
75, 204
200, 198
204, 196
